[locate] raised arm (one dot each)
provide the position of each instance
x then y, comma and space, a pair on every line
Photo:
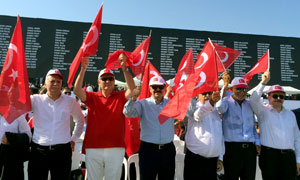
128, 77
79, 92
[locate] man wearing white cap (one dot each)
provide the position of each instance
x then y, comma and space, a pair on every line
240, 136
51, 148
279, 134
104, 144
157, 151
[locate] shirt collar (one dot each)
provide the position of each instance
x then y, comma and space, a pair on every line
100, 94
154, 101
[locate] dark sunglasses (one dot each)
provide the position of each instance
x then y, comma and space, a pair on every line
160, 87
275, 96
241, 89
206, 93
107, 78
67, 93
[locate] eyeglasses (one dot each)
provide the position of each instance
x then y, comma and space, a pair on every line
241, 89
275, 96
69, 93
206, 93
160, 87
107, 78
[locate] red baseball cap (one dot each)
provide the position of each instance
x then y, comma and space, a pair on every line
55, 72
276, 88
105, 71
239, 82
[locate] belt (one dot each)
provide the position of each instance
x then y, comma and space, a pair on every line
50, 147
156, 146
282, 151
243, 145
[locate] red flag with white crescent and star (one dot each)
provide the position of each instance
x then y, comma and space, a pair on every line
14, 86
261, 66
204, 79
185, 68
138, 58
89, 46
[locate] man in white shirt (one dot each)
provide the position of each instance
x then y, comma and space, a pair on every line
204, 138
279, 134
51, 148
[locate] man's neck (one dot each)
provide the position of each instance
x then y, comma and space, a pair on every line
277, 108
237, 100
106, 92
158, 99
52, 96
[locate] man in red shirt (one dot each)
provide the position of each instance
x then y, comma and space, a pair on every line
104, 139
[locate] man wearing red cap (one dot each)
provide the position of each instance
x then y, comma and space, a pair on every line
279, 134
104, 144
240, 136
51, 148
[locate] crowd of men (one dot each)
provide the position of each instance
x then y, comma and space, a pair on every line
221, 131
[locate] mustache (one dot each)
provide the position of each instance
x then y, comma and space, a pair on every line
158, 91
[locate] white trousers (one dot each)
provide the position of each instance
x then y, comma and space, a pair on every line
104, 162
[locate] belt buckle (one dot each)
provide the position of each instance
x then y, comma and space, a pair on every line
160, 146
245, 146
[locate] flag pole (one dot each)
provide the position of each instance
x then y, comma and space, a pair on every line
150, 32
269, 60
216, 53
216, 62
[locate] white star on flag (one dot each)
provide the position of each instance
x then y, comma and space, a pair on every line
14, 74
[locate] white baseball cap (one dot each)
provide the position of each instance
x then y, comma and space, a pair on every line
105, 71
276, 88
157, 80
239, 82
55, 72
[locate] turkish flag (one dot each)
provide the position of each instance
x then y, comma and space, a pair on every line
138, 58
14, 86
204, 79
89, 46
132, 135
226, 56
186, 67
150, 71
206, 66
261, 66
113, 61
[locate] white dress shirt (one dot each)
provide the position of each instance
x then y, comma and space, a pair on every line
278, 130
19, 125
52, 119
204, 132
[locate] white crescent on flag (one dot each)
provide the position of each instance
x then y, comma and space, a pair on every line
183, 78
184, 64
225, 58
205, 57
203, 79
11, 48
253, 68
141, 59
95, 32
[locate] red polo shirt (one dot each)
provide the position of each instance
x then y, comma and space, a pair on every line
105, 120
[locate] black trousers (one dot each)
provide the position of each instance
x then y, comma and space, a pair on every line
56, 159
277, 164
199, 167
239, 161
11, 163
155, 160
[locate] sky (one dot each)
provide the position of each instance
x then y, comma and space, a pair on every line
262, 17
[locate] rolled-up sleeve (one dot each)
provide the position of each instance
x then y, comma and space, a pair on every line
132, 109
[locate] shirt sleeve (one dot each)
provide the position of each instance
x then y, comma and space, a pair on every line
78, 119
132, 109
222, 105
255, 103
202, 110
23, 126
297, 140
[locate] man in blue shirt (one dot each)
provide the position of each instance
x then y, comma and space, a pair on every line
157, 151
239, 130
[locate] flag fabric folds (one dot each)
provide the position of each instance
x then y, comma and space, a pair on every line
132, 135
226, 56
185, 68
113, 61
89, 46
261, 66
14, 86
204, 79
